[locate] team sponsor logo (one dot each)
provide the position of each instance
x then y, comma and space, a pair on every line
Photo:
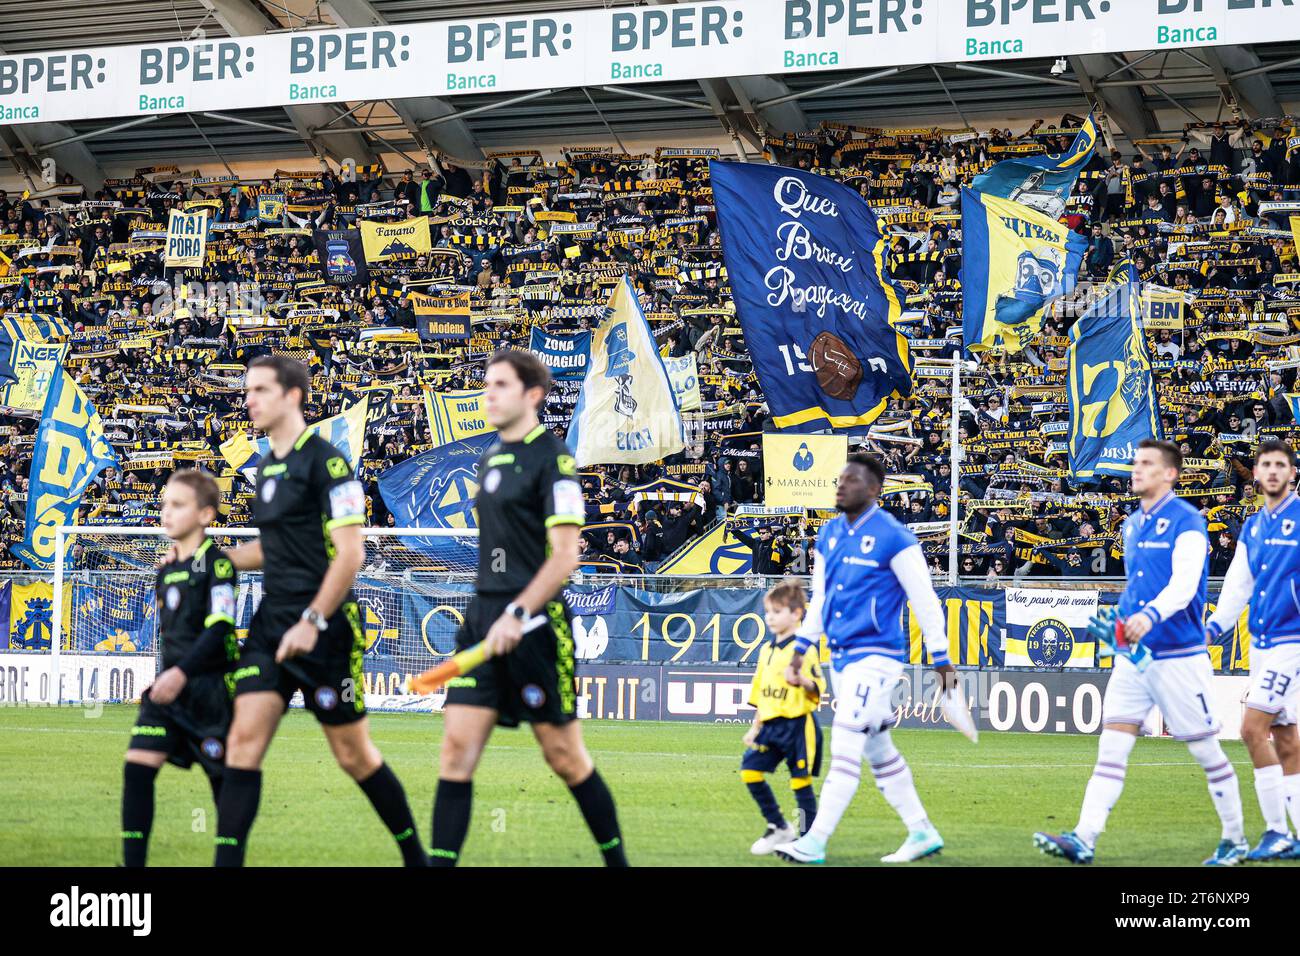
327, 698
212, 748
492, 481
533, 695
803, 458
1049, 643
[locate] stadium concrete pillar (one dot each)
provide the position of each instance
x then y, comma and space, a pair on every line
1123, 105
1253, 94
242, 18
453, 137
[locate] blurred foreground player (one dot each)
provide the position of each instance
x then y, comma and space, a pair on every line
185, 713
1163, 661
1264, 573
868, 566
530, 514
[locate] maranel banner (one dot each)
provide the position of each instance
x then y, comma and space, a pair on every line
660, 44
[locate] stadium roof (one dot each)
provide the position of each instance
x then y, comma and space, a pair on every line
1143, 93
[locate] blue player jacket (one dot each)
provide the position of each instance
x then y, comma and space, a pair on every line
863, 599
1149, 538
1272, 541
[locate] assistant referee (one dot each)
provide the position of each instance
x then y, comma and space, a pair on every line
306, 634
530, 515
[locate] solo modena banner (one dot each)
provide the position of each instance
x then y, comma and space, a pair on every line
686, 41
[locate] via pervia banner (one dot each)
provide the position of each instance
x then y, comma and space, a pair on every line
1015, 263
626, 412
566, 354
70, 451
1041, 182
1112, 398
806, 260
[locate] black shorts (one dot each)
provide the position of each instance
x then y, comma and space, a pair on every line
534, 682
796, 740
330, 677
190, 729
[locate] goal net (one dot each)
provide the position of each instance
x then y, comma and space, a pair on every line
412, 592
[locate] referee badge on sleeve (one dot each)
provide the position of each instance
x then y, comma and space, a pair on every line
568, 499
347, 500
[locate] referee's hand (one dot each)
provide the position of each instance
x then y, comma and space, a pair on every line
505, 634
299, 639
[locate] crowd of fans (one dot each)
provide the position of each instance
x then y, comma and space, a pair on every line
540, 242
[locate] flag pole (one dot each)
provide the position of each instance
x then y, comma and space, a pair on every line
954, 440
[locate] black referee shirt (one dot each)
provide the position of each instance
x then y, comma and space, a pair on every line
193, 595
525, 487
299, 500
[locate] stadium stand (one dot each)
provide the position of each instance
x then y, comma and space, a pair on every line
529, 241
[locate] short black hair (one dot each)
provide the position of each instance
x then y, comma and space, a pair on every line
872, 464
531, 370
1171, 453
1275, 446
289, 373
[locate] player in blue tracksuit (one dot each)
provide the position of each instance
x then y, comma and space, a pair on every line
1265, 573
1163, 662
868, 566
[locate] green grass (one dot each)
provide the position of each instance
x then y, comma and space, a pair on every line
677, 786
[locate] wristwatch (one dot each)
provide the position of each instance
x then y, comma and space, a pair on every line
517, 611
316, 618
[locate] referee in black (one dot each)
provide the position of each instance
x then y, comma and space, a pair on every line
306, 634
530, 515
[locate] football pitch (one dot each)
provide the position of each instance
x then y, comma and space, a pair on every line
677, 785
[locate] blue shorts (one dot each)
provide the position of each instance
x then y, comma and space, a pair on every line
796, 740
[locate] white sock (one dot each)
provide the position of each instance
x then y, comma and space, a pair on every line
1291, 792
894, 780
841, 780
1106, 783
1222, 781
1272, 801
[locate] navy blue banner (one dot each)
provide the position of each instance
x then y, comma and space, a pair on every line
806, 261
565, 353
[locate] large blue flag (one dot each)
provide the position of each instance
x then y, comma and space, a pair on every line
1112, 399
1041, 182
70, 451
1015, 262
806, 261
436, 489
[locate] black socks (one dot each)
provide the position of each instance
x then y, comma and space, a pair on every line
389, 800
451, 806
597, 806
241, 791
137, 811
